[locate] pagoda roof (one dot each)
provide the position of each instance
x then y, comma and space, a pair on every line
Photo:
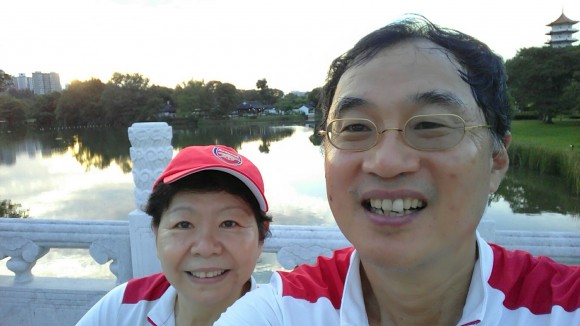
562, 20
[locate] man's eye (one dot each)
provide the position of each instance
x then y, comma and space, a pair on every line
355, 127
183, 225
229, 224
426, 125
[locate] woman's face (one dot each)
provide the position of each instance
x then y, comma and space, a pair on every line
208, 245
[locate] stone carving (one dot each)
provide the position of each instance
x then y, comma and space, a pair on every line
150, 152
102, 252
24, 254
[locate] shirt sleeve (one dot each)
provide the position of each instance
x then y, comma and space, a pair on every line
106, 310
257, 307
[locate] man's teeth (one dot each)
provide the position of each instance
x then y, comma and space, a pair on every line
396, 207
207, 274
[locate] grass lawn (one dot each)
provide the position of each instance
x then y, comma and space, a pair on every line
558, 136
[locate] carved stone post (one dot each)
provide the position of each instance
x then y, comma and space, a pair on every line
150, 151
24, 255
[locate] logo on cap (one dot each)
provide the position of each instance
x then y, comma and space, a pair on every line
228, 157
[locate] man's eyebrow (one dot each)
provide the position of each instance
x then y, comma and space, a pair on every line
443, 98
350, 102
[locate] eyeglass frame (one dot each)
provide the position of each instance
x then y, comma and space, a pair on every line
466, 128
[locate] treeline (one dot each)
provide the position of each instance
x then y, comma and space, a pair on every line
545, 81
129, 98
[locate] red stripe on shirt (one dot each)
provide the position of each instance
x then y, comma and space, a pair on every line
148, 288
536, 283
325, 279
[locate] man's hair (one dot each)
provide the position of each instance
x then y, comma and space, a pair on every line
484, 70
205, 182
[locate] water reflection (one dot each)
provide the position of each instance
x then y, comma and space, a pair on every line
232, 135
33, 173
530, 193
91, 147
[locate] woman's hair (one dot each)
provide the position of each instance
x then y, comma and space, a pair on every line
204, 182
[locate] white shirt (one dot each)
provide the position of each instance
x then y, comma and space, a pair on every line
507, 288
143, 301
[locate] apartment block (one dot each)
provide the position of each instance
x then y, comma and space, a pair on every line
40, 83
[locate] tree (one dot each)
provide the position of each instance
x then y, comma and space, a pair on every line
130, 81
314, 96
538, 78
249, 95
262, 84
44, 109
8, 209
79, 103
5, 81
189, 97
12, 110
291, 101
21, 93
267, 95
124, 99
571, 95
227, 99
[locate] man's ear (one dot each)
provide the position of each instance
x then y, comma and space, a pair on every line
500, 163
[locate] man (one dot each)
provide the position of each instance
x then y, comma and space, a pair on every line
416, 129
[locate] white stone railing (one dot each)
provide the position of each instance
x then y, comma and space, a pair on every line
129, 245
26, 241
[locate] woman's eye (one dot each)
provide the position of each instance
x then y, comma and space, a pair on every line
183, 225
229, 224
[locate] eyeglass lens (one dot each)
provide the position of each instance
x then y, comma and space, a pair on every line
423, 132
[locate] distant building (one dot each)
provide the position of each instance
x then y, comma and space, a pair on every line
251, 108
168, 111
45, 83
22, 82
562, 32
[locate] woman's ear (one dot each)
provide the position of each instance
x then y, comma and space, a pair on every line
500, 163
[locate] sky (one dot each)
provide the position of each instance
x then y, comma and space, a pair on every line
291, 43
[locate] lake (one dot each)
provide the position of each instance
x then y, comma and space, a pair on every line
85, 174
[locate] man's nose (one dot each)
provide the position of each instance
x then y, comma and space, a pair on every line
391, 156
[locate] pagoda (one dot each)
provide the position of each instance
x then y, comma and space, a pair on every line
561, 33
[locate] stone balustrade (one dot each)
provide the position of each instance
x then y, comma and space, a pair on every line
129, 245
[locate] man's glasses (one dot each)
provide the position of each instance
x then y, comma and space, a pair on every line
430, 132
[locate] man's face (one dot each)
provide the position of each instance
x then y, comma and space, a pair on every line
447, 189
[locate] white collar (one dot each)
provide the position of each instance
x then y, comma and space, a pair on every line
353, 312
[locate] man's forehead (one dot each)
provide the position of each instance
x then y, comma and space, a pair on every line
396, 58
413, 50
406, 61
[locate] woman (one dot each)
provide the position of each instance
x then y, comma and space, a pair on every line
209, 219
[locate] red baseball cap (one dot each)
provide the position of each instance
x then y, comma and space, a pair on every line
194, 159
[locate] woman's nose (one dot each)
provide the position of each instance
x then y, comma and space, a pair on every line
206, 243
